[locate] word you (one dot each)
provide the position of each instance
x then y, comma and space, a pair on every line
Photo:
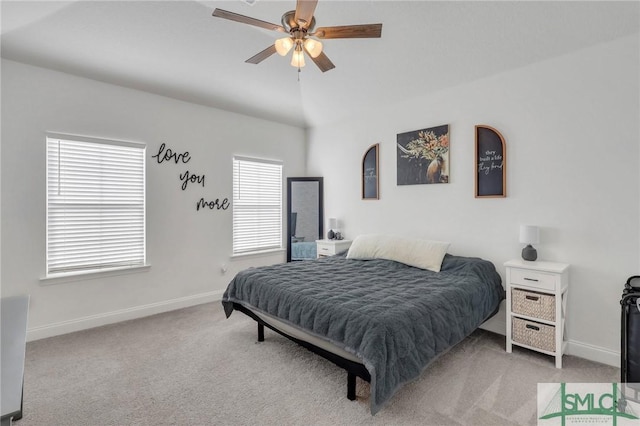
187, 177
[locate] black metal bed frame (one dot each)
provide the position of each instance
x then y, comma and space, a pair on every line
354, 369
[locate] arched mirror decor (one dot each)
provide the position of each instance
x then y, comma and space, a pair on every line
305, 217
370, 178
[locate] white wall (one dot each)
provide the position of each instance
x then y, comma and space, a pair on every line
186, 248
571, 126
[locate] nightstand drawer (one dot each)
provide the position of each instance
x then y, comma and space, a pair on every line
535, 279
532, 304
326, 249
534, 334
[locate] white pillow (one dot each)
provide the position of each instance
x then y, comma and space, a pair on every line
423, 254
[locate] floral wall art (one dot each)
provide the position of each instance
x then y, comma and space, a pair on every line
423, 156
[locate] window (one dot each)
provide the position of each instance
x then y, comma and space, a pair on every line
257, 205
95, 205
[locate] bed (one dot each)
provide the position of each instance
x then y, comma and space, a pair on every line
379, 319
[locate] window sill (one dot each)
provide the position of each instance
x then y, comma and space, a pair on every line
258, 253
81, 276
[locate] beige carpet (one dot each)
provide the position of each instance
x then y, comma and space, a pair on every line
194, 367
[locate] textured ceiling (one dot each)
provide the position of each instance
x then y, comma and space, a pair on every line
177, 49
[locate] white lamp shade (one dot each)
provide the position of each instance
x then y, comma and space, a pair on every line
314, 47
333, 223
529, 234
297, 60
283, 45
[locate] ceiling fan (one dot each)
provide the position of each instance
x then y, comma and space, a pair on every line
299, 24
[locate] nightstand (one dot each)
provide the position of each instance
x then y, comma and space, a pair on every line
536, 306
326, 248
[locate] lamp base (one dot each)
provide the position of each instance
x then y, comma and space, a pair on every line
529, 253
331, 235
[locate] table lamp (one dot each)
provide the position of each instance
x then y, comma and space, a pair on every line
333, 224
529, 235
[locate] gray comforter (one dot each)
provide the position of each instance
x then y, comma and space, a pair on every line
394, 317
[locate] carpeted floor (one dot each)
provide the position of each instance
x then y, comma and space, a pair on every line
194, 367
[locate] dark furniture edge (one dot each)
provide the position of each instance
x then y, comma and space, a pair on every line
354, 369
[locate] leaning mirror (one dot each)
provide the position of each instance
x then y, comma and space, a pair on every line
304, 217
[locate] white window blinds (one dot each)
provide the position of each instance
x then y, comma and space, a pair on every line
257, 205
95, 205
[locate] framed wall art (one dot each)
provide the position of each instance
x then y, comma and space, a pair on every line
490, 163
370, 174
423, 156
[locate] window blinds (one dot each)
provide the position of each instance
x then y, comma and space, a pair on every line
95, 205
257, 205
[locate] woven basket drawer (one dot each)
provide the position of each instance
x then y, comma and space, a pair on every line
532, 304
533, 334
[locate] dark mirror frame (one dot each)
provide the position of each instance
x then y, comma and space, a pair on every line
320, 208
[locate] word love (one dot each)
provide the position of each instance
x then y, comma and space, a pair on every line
217, 204
169, 155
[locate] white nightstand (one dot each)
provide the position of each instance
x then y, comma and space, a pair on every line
326, 248
536, 306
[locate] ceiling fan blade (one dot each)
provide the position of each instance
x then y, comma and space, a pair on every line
322, 61
304, 12
259, 57
350, 31
225, 14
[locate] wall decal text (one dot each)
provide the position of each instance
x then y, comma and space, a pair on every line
167, 155
217, 204
187, 177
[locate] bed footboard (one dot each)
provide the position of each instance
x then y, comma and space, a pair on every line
354, 369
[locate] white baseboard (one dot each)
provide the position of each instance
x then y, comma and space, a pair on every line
69, 326
579, 349
593, 353
497, 324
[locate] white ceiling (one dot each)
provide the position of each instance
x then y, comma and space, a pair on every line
177, 49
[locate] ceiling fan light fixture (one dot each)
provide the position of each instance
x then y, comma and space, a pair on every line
283, 45
314, 47
297, 60
300, 25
